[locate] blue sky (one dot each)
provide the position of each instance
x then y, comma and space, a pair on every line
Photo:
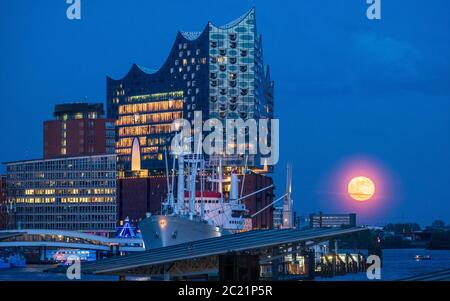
345, 86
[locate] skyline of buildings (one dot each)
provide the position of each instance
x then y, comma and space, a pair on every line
218, 71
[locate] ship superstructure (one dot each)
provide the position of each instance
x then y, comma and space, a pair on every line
197, 213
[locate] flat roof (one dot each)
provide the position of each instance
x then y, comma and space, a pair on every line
78, 107
7, 235
213, 246
56, 159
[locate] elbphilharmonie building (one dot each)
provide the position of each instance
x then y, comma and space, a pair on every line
218, 71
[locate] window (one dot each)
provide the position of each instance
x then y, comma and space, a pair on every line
222, 59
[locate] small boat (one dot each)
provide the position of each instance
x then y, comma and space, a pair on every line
4, 264
17, 261
422, 257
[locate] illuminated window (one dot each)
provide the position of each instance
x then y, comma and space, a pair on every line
222, 59
185, 62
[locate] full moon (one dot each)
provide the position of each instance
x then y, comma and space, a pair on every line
361, 189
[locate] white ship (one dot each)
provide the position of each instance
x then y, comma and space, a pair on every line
197, 214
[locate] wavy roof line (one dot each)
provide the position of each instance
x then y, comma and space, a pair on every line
191, 35
194, 35
236, 21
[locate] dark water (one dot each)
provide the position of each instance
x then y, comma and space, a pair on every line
400, 263
397, 264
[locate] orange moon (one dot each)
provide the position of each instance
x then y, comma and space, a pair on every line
361, 189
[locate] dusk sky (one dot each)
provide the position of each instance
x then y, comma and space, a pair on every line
354, 96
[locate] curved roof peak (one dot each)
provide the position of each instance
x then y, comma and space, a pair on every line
147, 70
236, 21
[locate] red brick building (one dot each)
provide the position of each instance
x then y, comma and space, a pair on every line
138, 195
78, 130
3, 209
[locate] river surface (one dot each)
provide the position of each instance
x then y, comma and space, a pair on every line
400, 263
397, 264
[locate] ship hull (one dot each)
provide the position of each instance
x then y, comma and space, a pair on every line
162, 231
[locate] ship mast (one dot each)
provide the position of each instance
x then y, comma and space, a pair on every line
180, 184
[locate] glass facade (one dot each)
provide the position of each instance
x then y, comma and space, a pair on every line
76, 193
148, 117
219, 71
